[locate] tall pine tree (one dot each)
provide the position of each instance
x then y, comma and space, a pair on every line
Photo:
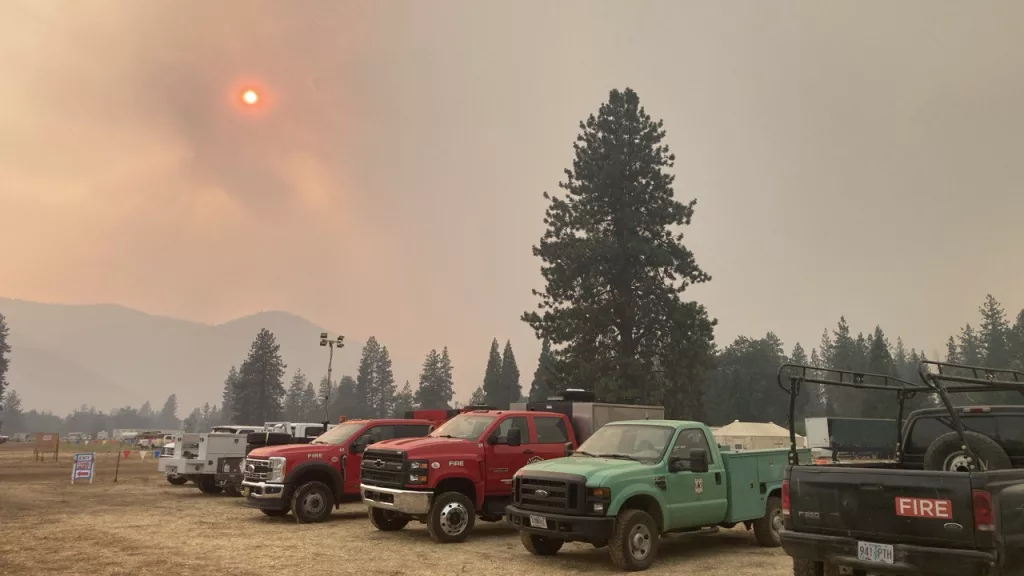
543, 377
446, 379
375, 383
613, 260
428, 395
993, 334
405, 400
5, 350
260, 389
1016, 343
294, 411
492, 377
511, 389
168, 417
327, 398
227, 407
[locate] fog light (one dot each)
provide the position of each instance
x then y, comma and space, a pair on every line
599, 507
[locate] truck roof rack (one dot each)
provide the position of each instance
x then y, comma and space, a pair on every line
966, 378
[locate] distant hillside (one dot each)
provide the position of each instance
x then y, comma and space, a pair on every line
107, 356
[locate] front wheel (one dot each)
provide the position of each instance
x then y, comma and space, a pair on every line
274, 513
451, 517
312, 502
208, 485
634, 542
386, 520
539, 545
177, 480
768, 527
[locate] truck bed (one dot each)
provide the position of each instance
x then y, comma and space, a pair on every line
766, 467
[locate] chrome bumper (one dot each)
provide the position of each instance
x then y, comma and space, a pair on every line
412, 502
263, 490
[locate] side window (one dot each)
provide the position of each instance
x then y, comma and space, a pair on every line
924, 432
690, 440
411, 430
514, 422
550, 430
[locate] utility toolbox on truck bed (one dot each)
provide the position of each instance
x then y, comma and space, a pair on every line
888, 518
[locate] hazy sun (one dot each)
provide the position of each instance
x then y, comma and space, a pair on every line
250, 97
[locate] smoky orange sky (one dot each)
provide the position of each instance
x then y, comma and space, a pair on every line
861, 158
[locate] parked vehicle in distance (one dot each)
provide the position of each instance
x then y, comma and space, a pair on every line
853, 438
168, 451
310, 480
464, 469
899, 518
212, 460
634, 481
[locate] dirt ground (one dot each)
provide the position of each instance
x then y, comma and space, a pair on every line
143, 525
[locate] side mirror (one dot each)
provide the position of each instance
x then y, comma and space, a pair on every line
356, 447
514, 437
569, 449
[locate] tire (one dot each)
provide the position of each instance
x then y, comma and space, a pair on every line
386, 520
177, 480
808, 568
634, 542
451, 518
766, 529
312, 502
539, 545
274, 513
946, 453
232, 490
208, 484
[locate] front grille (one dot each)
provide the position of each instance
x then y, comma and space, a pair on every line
549, 494
256, 470
383, 468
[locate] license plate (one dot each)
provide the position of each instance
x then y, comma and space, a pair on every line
245, 491
538, 522
870, 552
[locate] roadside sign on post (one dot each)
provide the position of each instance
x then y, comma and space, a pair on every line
84, 466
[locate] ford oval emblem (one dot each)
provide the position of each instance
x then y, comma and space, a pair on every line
378, 463
542, 493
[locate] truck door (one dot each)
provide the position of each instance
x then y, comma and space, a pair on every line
696, 499
501, 461
550, 436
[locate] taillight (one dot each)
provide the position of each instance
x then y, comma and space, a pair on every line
984, 515
785, 498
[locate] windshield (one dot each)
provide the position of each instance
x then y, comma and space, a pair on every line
464, 426
643, 443
338, 434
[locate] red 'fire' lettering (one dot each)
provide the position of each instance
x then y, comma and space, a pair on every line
924, 508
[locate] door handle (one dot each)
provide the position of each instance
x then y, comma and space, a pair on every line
527, 451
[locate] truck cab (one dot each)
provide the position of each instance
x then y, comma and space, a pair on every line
633, 481
460, 471
310, 480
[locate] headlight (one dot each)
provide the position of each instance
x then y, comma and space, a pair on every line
417, 473
598, 499
419, 465
277, 469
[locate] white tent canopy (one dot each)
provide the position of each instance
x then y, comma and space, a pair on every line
755, 436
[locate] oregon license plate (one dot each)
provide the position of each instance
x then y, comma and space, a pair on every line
538, 522
871, 552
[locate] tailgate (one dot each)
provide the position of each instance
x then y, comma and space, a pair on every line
882, 505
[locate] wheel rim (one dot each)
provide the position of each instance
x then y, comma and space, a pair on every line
777, 524
957, 462
313, 504
639, 542
454, 518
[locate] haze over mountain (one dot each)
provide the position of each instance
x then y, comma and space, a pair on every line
107, 355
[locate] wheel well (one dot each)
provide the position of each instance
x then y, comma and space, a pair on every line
776, 493
317, 474
462, 485
647, 504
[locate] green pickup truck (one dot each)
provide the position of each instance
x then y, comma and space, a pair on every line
635, 480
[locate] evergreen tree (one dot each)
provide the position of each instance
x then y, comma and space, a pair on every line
510, 387
877, 404
13, 418
327, 399
259, 392
743, 384
294, 410
310, 407
613, 260
543, 377
1015, 343
383, 398
5, 350
345, 402
993, 334
971, 352
227, 407
145, 412
478, 398
404, 401
952, 351
194, 421
375, 383
428, 395
446, 379
169, 413
492, 377
810, 402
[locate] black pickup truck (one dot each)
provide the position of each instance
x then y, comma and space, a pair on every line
861, 519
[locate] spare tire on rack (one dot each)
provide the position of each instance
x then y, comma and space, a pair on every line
946, 453
261, 439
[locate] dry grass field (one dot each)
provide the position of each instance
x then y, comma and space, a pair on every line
143, 525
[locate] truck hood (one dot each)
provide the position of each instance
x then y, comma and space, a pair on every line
290, 451
427, 445
596, 470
